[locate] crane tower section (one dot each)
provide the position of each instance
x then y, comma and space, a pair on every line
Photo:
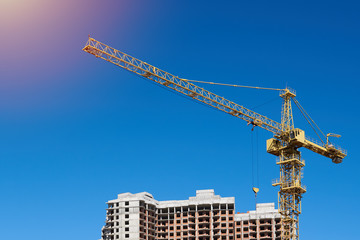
291, 166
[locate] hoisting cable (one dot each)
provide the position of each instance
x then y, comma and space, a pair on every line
257, 156
252, 159
232, 85
255, 164
306, 116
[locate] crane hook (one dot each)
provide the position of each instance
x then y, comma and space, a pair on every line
255, 190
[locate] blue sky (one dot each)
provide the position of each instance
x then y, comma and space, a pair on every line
76, 130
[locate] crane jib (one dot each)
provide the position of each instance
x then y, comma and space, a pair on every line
182, 86
189, 89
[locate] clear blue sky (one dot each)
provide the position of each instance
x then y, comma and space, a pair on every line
75, 131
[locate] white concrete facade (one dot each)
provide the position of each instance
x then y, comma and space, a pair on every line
263, 210
204, 217
263, 223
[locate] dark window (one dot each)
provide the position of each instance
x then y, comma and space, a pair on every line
127, 235
126, 203
126, 209
127, 229
126, 215
126, 222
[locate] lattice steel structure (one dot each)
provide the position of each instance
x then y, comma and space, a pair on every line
285, 143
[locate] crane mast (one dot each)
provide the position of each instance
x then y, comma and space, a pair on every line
287, 139
291, 165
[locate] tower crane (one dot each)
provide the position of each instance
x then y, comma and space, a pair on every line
284, 144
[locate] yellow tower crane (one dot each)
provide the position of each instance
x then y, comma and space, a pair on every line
285, 143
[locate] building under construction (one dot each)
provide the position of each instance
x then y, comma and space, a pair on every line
204, 217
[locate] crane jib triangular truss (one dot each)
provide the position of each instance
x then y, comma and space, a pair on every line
180, 85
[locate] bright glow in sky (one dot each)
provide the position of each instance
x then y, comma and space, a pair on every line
15, 12
9, 4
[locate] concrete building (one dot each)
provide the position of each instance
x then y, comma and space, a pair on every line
204, 217
263, 223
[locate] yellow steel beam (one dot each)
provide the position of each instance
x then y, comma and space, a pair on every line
180, 85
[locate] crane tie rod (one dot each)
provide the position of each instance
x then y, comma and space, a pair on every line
233, 85
308, 119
